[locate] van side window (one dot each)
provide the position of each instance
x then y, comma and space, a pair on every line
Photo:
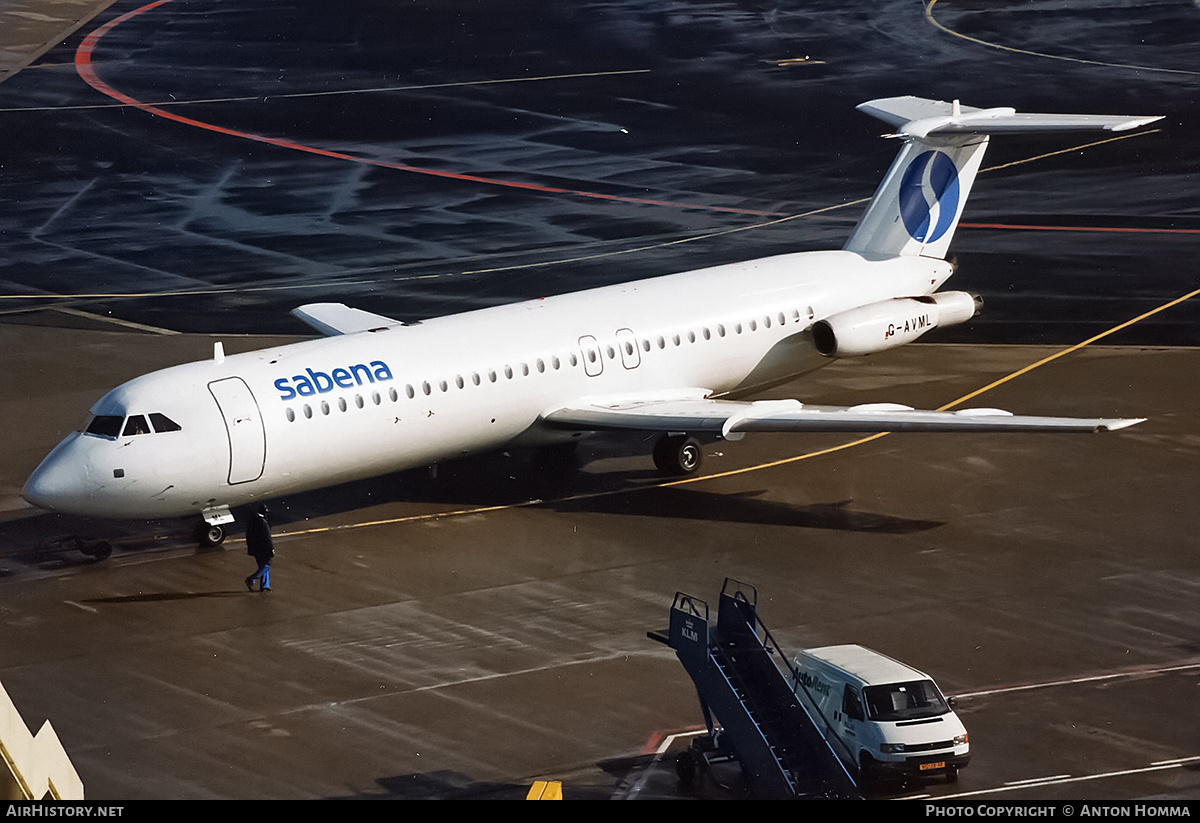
851, 705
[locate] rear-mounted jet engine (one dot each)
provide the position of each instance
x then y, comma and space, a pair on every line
890, 323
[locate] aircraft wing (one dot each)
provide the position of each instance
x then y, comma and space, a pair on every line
692, 413
332, 319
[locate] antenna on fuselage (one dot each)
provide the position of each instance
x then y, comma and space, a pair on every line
218, 352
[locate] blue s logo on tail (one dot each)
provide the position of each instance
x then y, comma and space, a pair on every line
916, 208
930, 181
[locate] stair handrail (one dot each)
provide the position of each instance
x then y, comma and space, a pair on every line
773, 648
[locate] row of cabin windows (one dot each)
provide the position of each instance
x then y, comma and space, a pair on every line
427, 389
540, 364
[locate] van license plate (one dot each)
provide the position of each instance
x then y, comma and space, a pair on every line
928, 767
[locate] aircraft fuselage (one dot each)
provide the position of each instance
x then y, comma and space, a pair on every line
326, 411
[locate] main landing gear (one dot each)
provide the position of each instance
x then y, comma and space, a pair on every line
678, 454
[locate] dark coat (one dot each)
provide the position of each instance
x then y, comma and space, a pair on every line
259, 544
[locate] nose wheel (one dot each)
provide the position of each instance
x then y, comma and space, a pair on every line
210, 534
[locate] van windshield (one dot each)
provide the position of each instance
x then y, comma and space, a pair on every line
904, 701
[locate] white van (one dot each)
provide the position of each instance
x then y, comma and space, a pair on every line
883, 718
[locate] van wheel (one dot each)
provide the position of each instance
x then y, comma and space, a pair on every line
868, 771
952, 774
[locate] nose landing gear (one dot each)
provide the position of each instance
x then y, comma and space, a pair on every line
210, 534
210, 531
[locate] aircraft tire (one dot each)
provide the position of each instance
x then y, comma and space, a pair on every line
210, 534
678, 454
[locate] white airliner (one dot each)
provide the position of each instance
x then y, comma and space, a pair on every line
671, 354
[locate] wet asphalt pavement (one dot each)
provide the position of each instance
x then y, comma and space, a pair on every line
703, 108
455, 638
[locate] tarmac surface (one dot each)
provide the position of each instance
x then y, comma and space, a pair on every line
463, 635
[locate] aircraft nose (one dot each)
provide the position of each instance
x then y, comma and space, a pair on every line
54, 482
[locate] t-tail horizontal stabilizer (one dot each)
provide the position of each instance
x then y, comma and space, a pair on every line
917, 206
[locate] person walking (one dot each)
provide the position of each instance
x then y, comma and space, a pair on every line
261, 547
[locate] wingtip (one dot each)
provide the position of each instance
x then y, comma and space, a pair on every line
1137, 122
1117, 425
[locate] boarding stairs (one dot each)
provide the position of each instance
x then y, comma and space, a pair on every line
33, 767
745, 685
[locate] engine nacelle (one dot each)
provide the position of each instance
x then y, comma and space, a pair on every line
891, 323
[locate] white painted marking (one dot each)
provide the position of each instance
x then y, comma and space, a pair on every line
1076, 680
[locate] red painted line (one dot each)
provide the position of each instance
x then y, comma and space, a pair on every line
1107, 229
655, 741
85, 68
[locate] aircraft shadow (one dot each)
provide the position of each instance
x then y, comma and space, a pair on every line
549, 478
557, 484
162, 597
51, 542
744, 507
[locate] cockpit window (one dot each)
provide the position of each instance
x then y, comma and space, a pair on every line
105, 425
162, 423
136, 424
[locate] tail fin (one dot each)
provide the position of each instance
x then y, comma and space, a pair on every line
916, 208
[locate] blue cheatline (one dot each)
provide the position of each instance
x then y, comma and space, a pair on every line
916, 204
